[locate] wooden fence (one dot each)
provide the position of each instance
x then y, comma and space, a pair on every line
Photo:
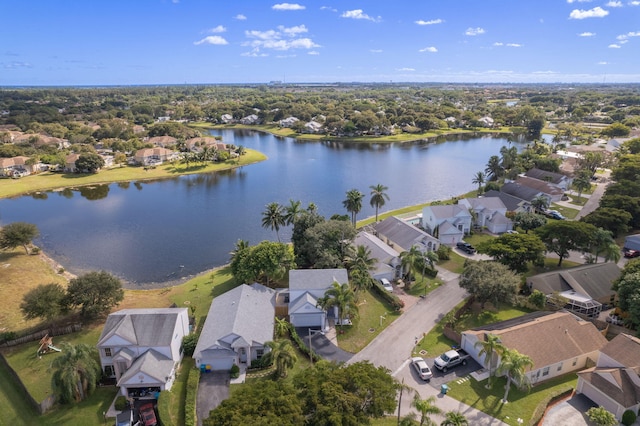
54, 331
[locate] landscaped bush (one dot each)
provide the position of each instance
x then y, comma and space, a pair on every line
300, 344
260, 363
190, 399
431, 273
121, 403
189, 343
542, 406
164, 401
389, 297
628, 418
444, 252
235, 371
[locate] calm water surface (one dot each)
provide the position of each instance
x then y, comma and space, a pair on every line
161, 231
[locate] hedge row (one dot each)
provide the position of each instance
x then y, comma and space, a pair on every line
546, 402
190, 417
164, 401
300, 344
389, 297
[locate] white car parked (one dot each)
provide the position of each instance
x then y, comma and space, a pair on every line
386, 284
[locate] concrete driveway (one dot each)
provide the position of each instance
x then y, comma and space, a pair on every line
323, 346
212, 390
570, 412
457, 373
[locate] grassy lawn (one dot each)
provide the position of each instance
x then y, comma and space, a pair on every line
567, 212
423, 286
14, 408
368, 324
87, 412
20, 273
477, 238
47, 180
522, 404
454, 264
436, 343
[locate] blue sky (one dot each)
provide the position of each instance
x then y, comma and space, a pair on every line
118, 42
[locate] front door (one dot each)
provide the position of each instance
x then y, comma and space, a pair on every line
243, 355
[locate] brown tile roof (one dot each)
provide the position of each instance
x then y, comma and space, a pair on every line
547, 338
620, 384
539, 185
163, 140
625, 349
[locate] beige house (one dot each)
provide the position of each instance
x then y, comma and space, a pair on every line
614, 383
557, 342
16, 166
154, 156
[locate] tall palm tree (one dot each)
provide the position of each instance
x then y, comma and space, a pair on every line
292, 211
490, 346
411, 260
509, 156
75, 372
240, 245
582, 182
343, 297
540, 203
353, 203
479, 179
378, 197
426, 408
283, 355
611, 252
494, 168
273, 218
514, 365
454, 418
360, 259
602, 241
281, 327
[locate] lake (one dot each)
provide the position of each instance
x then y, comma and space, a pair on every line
153, 232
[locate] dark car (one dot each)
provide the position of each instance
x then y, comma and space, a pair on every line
630, 253
466, 247
147, 415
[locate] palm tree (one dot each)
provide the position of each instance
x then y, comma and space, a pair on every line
611, 252
281, 327
353, 203
454, 418
540, 203
240, 246
509, 156
479, 179
490, 346
360, 259
273, 218
582, 183
76, 372
494, 168
283, 355
514, 365
292, 211
343, 297
378, 197
425, 407
411, 260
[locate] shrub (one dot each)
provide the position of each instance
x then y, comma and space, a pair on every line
260, 363
300, 344
8, 336
628, 418
235, 371
189, 343
164, 401
121, 403
35, 250
444, 252
390, 298
190, 399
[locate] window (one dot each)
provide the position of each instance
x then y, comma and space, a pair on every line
575, 361
107, 352
545, 371
559, 367
109, 371
259, 353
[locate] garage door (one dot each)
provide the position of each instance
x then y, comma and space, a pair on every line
590, 392
308, 320
218, 364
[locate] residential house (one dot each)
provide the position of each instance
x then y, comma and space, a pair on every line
163, 141
226, 118
70, 163
513, 204
586, 287
523, 192
553, 192
614, 382
556, 342
250, 119
16, 166
401, 236
199, 143
154, 156
387, 259
288, 122
313, 127
306, 286
486, 121
490, 213
449, 222
558, 179
141, 348
239, 324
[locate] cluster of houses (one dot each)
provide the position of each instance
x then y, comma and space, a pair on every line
160, 153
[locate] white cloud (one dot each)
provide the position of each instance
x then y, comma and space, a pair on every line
431, 22
405, 69
240, 17
596, 12
430, 49
331, 9
15, 64
614, 4
603, 63
578, 1
586, 34
292, 31
628, 35
211, 40
497, 43
288, 6
514, 45
474, 31
614, 46
634, 3
218, 29
254, 54
375, 50
313, 52
358, 14
263, 35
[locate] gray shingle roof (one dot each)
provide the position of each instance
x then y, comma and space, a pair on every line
151, 363
544, 175
520, 191
511, 203
447, 211
316, 279
142, 327
402, 233
593, 280
247, 312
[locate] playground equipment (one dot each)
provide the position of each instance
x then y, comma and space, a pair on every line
46, 346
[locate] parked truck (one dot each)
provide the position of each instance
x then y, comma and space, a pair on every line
451, 359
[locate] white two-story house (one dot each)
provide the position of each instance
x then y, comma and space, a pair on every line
449, 223
140, 348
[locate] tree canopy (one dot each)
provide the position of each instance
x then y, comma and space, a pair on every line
562, 236
262, 263
488, 281
46, 301
95, 293
17, 234
515, 250
76, 372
